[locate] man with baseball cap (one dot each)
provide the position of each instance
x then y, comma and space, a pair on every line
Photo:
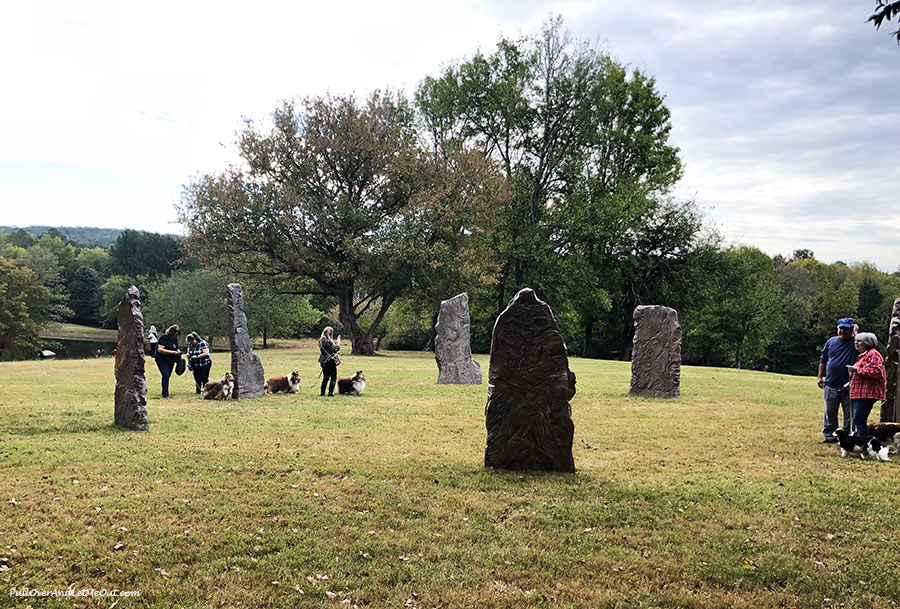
838, 353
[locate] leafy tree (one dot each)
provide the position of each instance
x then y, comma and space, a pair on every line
113, 290
96, 258
336, 199
195, 300
20, 238
46, 266
86, 296
885, 11
64, 251
24, 304
278, 315
140, 253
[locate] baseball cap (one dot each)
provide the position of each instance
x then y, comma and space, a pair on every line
846, 322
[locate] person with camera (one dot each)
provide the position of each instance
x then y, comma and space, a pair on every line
167, 356
329, 360
199, 360
867, 381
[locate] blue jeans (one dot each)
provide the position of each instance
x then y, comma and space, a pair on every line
834, 397
165, 368
861, 410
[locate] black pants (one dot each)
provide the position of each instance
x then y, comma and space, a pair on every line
329, 371
201, 375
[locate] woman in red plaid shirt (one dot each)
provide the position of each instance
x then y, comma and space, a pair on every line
867, 381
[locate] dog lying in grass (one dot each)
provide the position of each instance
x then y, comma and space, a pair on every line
289, 383
887, 433
864, 447
219, 390
352, 385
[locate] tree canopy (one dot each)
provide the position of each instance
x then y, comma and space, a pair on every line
24, 305
886, 10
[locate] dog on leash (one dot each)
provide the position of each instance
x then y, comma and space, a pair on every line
887, 433
864, 447
289, 383
219, 390
352, 385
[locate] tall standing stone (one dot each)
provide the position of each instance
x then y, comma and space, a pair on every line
249, 377
529, 420
452, 349
131, 384
890, 408
656, 354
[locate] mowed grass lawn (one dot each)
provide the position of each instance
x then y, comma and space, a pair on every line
723, 498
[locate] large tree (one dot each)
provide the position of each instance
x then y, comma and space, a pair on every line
86, 296
337, 198
24, 304
141, 253
885, 10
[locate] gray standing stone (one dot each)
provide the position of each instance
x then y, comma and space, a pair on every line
452, 349
528, 417
656, 354
249, 377
131, 384
890, 408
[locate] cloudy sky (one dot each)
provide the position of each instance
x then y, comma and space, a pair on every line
786, 111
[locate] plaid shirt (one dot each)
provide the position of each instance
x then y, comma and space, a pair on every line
196, 349
869, 381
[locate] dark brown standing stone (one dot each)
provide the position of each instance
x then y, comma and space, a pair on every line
452, 349
131, 385
249, 377
890, 408
529, 420
656, 355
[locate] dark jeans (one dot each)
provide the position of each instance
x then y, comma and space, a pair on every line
835, 398
329, 372
166, 367
861, 410
201, 375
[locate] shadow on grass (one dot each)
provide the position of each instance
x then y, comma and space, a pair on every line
107, 429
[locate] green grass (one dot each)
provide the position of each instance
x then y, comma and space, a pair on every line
75, 331
723, 498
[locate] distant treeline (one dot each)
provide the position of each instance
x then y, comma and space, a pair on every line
89, 236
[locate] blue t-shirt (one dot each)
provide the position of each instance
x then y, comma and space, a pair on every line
837, 354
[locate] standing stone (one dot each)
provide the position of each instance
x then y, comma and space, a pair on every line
656, 354
249, 377
452, 350
890, 408
529, 420
131, 385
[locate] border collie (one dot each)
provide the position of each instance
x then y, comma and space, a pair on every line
887, 433
864, 447
353, 385
289, 383
219, 390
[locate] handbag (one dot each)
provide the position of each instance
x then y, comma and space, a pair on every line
337, 360
179, 367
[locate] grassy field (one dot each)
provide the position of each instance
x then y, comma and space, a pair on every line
723, 498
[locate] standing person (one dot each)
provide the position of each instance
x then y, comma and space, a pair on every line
328, 349
167, 355
867, 381
199, 360
837, 354
153, 340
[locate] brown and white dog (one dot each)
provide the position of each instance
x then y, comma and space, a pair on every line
888, 433
288, 384
219, 390
352, 385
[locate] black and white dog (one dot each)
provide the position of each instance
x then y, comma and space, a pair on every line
888, 433
864, 447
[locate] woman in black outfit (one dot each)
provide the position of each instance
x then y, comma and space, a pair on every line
328, 349
167, 355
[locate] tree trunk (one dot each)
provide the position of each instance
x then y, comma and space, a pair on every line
363, 343
737, 356
265, 337
588, 337
433, 332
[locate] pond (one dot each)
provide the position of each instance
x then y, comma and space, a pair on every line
78, 349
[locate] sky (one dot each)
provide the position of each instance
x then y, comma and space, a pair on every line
785, 111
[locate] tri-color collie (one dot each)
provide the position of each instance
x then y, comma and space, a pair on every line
353, 385
887, 433
219, 390
864, 447
289, 383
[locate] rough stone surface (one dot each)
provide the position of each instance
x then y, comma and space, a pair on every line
249, 377
656, 354
529, 420
890, 408
131, 384
452, 350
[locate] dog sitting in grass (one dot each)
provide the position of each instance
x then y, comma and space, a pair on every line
352, 385
289, 383
864, 447
219, 390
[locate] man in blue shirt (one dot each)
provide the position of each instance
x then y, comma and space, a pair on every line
838, 353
